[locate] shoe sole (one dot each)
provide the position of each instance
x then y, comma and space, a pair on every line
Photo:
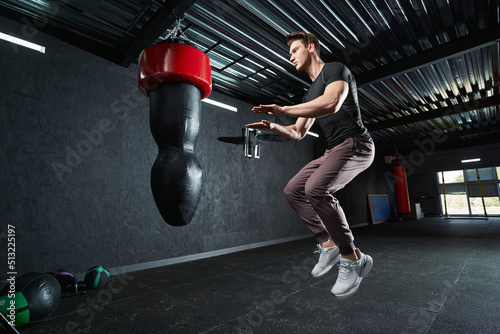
327, 269
366, 269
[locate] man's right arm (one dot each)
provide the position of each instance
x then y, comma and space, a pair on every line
295, 131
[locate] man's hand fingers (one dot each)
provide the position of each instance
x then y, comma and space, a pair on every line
255, 125
260, 109
263, 125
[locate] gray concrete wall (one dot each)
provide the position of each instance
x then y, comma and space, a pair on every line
76, 153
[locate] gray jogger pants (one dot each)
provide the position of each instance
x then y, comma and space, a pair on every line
310, 192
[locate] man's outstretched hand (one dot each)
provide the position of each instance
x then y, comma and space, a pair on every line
262, 125
271, 109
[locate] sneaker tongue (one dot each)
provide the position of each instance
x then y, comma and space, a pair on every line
342, 260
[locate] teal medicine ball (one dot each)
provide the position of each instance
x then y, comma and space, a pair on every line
96, 277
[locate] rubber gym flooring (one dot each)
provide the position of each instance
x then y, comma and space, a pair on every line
433, 275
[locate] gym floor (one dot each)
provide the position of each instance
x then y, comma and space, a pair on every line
432, 275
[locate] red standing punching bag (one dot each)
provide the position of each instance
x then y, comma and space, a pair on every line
403, 199
176, 76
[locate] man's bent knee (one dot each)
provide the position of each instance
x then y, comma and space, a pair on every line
313, 191
288, 191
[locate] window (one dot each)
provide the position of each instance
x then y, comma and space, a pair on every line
453, 176
464, 193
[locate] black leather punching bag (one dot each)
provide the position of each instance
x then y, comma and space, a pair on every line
175, 76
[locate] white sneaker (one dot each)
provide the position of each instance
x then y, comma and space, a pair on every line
328, 257
351, 273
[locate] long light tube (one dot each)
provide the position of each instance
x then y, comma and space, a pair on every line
22, 42
471, 160
219, 104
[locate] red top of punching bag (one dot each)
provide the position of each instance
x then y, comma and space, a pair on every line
174, 62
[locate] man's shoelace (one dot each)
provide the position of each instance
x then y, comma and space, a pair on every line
321, 252
344, 271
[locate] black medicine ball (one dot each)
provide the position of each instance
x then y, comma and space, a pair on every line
96, 277
65, 278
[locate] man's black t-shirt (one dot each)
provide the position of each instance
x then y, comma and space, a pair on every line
346, 122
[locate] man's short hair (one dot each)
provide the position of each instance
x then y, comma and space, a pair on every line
305, 37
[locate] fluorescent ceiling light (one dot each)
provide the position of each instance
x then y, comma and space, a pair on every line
219, 104
312, 134
471, 160
22, 42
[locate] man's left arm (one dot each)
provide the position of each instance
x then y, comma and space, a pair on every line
328, 103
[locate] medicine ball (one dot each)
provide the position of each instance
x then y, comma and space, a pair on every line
35, 298
65, 278
96, 277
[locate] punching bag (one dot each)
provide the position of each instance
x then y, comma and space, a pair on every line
403, 199
175, 76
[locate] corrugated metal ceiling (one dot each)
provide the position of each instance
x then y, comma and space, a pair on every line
424, 67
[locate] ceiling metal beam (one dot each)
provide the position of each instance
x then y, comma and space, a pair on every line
445, 141
437, 113
468, 43
155, 27
496, 69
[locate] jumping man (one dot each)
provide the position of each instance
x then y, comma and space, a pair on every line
332, 101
